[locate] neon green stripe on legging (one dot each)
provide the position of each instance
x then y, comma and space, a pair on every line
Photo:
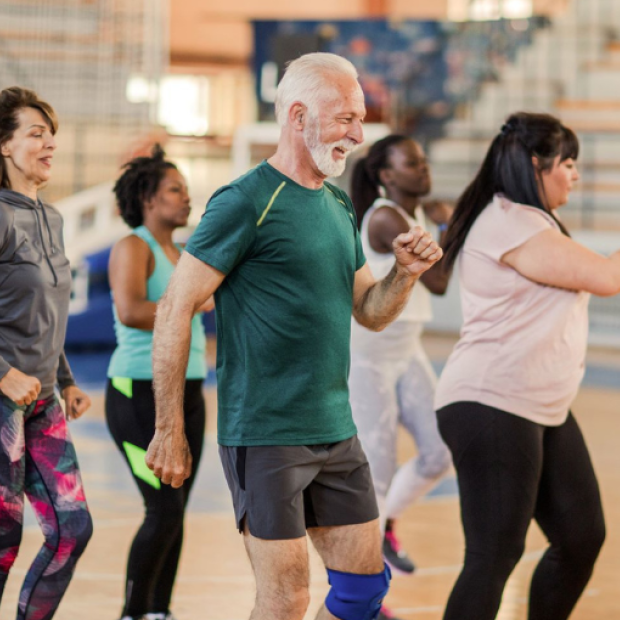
124, 385
136, 455
273, 198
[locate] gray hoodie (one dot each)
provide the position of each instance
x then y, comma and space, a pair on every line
35, 286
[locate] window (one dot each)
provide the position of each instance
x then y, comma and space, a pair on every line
184, 105
480, 10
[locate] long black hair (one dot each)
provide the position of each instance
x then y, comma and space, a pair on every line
508, 169
365, 180
139, 183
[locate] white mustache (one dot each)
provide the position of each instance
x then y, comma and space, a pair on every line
348, 146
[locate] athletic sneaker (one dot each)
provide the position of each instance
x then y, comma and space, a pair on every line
386, 614
395, 556
151, 616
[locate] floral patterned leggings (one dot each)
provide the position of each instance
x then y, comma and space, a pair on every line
37, 457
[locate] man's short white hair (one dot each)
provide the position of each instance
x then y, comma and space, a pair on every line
306, 80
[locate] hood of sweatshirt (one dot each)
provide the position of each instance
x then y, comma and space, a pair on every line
20, 201
15, 199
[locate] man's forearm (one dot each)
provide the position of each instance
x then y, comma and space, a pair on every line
171, 342
385, 299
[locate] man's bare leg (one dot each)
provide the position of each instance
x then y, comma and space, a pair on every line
282, 577
349, 549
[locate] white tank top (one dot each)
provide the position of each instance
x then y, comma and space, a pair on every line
418, 310
419, 307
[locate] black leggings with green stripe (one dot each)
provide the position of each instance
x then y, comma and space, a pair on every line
154, 555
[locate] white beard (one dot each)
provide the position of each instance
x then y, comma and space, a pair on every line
321, 152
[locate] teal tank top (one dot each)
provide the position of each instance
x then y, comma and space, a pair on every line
132, 357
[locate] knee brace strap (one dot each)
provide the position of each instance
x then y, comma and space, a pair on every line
356, 597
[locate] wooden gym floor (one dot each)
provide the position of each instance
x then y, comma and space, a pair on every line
215, 581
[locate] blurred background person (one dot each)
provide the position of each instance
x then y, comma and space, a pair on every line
504, 398
37, 456
153, 200
392, 381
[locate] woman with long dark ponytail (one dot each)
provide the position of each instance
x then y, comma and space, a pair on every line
503, 401
391, 379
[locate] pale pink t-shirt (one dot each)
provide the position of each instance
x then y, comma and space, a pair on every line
522, 345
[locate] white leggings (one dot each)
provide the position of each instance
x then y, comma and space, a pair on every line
388, 388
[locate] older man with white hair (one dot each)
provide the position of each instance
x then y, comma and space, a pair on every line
280, 250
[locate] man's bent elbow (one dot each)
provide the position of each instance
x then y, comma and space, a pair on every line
172, 313
372, 324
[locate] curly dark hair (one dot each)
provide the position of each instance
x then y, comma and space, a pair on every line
139, 183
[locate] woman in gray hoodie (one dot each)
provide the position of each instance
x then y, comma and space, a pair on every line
37, 456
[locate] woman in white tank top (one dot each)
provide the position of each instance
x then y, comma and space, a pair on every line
391, 378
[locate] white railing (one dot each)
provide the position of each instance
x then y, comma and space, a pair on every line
91, 221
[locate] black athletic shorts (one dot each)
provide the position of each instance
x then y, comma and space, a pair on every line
282, 490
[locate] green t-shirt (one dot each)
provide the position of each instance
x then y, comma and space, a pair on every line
284, 309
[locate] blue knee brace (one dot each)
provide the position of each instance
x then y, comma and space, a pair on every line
356, 597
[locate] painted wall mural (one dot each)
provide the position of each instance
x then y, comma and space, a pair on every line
414, 73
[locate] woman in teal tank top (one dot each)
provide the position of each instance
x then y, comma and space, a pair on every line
152, 198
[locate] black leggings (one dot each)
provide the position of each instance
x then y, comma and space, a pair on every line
511, 470
154, 555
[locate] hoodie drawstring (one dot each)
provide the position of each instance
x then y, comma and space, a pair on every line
49, 232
